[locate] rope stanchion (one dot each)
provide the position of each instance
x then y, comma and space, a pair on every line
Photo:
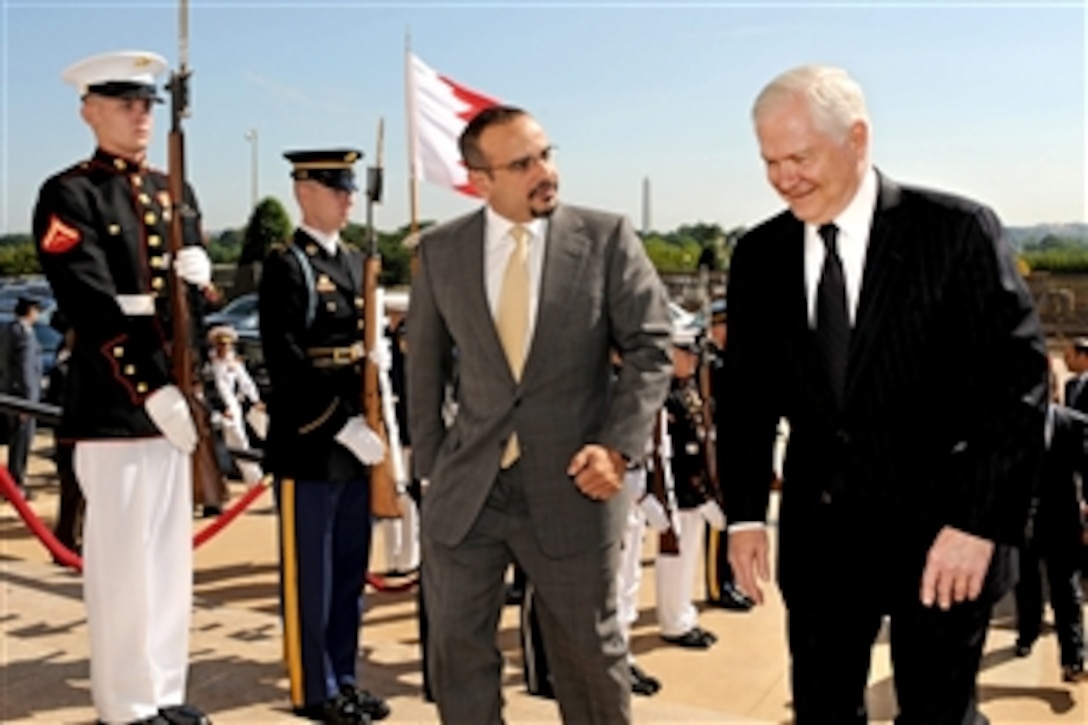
66, 557
61, 553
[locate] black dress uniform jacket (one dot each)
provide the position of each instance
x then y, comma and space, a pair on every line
102, 230
308, 403
686, 432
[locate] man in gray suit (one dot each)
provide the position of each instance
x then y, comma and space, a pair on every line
25, 376
530, 296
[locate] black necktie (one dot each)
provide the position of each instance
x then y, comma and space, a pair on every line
832, 319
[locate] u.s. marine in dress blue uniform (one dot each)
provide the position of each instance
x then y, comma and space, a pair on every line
311, 321
101, 230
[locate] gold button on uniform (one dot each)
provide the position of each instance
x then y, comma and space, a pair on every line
145, 199
130, 369
149, 218
141, 387
154, 240
157, 283
114, 229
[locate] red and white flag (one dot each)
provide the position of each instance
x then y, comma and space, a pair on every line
438, 110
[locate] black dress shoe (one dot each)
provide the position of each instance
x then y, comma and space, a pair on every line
183, 715
694, 638
1074, 673
210, 511
732, 598
372, 705
643, 684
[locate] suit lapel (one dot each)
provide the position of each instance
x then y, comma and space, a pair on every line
883, 261
564, 261
477, 309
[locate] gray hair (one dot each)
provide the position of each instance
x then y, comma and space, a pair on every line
831, 95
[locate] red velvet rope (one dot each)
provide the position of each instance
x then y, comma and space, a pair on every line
66, 557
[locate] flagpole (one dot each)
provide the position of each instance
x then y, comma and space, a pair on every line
413, 150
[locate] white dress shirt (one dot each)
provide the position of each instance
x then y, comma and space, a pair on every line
328, 242
498, 246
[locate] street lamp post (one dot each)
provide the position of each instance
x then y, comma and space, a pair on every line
251, 136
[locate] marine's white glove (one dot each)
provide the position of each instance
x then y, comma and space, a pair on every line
380, 356
258, 419
655, 513
169, 411
194, 266
358, 438
713, 514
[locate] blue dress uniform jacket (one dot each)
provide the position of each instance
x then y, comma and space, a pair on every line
102, 229
313, 395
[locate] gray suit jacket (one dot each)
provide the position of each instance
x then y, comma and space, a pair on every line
26, 362
598, 292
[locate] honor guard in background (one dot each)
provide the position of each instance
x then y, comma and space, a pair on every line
687, 431
101, 229
721, 590
319, 447
238, 395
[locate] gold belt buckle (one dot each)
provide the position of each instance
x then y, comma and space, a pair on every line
341, 355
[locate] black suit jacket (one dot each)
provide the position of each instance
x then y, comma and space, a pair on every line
1056, 518
1075, 397
942, 422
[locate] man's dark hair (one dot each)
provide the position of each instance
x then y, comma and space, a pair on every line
469, 142
1080, 344
25, 305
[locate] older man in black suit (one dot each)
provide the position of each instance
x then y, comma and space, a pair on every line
859, 315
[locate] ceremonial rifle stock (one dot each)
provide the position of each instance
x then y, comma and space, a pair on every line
667, 542
207, 479
383, 485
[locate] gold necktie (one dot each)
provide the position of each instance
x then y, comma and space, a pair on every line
512, 319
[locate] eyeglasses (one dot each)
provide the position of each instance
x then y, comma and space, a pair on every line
522, 165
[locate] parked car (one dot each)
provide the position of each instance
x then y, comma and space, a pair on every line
240, 313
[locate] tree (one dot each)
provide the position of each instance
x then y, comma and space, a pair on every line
267, 225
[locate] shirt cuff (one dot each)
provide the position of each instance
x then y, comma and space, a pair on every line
745, 526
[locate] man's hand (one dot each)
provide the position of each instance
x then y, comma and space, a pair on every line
597, 471
955, 568
748, 555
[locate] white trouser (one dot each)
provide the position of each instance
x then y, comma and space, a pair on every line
675, 575
402, 534
629, 574
234, 435
137, 573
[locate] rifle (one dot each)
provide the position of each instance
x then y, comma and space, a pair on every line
709, 431
208, 482
383, 485
667, 542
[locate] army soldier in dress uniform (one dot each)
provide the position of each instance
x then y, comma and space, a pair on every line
687, 430
101, 230
721, 590
319, 446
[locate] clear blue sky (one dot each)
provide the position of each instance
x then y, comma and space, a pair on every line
985, 99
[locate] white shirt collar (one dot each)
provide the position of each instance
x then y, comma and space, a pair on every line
499, 226
328, 242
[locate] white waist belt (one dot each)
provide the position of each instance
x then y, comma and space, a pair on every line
133, 305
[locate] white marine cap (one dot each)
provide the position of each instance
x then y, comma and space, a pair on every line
685, 338
122, 74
